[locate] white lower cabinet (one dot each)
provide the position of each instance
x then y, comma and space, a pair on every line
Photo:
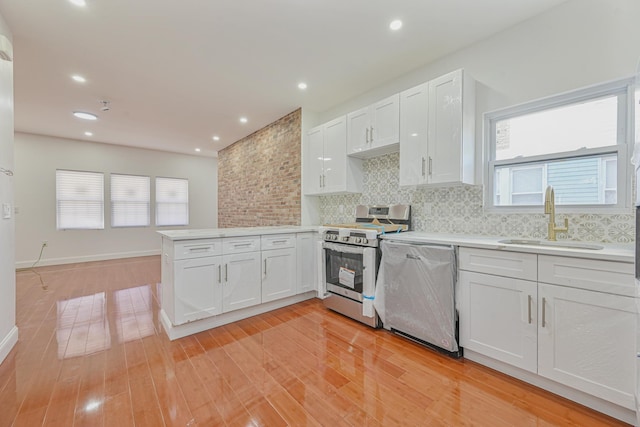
500, 318
242, 285
200, 292
278, 274
565, 331
587, 340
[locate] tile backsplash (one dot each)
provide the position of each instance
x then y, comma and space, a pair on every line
459, 210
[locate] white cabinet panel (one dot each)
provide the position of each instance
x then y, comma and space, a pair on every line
414, 104
374, 130
198, 291
278, 241
500, 263
587, 340
437, 131
328, 169
236, 245
278, 274
242, 284
197, 248
498, 318
306, 262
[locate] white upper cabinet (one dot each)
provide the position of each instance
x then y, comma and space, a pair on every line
374, 130
328, 170
414, 107
445, 108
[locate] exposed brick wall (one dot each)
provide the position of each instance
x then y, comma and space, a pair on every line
259, 177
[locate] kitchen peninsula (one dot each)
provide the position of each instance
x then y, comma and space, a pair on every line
212, 277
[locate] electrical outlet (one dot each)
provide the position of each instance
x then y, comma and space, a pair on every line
45, 243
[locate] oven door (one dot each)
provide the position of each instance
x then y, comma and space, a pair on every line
350, 271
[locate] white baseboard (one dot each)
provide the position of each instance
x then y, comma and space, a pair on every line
179, 331
8, 342
86, 258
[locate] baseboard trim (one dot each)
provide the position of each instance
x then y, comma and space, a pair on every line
87, 258
8, 342
175, 332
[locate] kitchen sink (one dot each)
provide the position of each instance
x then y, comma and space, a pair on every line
568, 245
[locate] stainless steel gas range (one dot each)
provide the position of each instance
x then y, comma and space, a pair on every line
351, 256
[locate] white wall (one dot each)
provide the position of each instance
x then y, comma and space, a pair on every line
577, 44
8, 329
36, 160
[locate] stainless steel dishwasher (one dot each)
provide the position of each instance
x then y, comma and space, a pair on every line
415, 294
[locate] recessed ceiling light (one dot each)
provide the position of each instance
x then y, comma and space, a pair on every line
302, 85
79, 78
243, 120
85, 116
216, 138
88, 133
79, 2
395, 25
197, 150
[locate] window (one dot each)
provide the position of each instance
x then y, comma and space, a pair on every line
575, 142
79, 200
130, 200
172, 201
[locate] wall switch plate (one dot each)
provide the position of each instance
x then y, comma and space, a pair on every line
6, 211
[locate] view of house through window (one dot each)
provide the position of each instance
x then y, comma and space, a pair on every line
575, 142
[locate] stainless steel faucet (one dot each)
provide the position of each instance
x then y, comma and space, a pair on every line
550, 208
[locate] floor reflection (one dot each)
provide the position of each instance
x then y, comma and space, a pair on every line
134, 315
82, 326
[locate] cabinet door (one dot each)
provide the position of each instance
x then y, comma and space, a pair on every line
498, 318
278, 274
358, 131
198, 288
587, 340
445, 129
385, 122
413, 135
306, 262
242, 285
314, 161
335, 156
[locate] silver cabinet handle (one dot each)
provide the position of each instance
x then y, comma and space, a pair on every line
529, 307
265, 267
219, 273
423, 166
366, 138
320, 176
544, 321
371, 133
430, 165
324, 178
226, 272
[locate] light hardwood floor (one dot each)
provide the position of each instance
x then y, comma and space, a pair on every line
92, 353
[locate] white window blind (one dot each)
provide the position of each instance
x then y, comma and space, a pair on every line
130, 200
79, 200
172, 201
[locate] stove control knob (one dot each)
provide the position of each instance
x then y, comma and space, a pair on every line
334, 237
365, 240
345, 238
358, 240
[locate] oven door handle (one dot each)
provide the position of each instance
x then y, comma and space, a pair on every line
341, 247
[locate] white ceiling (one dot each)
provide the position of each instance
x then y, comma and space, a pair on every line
178, 72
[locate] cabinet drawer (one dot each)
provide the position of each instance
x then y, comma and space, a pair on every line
278, 241
610, 277
500, 263
237, 245
197, 248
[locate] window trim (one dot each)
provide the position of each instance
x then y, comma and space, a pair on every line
623, 88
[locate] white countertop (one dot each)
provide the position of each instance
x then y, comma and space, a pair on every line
212, 233
610, 252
